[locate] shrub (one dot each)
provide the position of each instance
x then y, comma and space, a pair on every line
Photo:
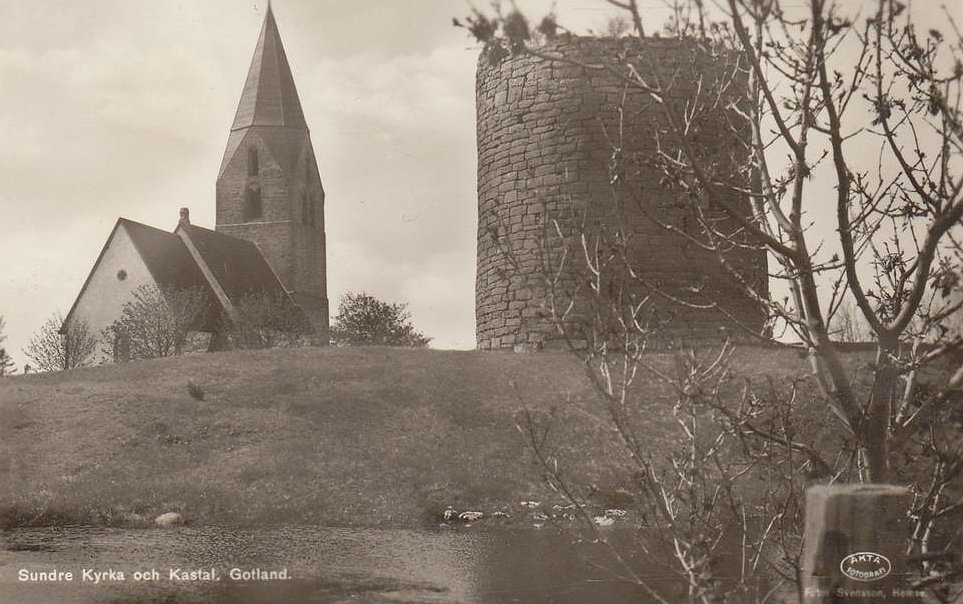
364, 320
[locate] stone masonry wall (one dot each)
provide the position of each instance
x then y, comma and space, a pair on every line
273, 230
287, 178
546, 132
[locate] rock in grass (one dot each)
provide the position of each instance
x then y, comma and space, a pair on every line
169, 519
194, 390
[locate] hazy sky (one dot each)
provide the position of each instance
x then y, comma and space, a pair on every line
122, 108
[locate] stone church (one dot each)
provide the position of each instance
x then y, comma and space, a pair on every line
269, 232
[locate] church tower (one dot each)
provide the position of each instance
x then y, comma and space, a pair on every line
268, 187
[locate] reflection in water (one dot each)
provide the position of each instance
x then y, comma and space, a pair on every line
327, 565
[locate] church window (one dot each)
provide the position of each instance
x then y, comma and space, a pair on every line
252, 161
121, 275
252, 204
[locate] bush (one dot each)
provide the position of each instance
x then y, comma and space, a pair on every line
155, 322
364, 320
267, 321
51, 350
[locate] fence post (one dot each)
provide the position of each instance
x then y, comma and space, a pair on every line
855, 545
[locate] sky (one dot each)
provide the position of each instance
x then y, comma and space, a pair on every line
114, 108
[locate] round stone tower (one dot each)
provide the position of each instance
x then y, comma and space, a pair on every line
547, 135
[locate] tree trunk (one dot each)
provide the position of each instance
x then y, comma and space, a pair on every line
874, 424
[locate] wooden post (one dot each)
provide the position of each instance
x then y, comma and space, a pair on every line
855, 546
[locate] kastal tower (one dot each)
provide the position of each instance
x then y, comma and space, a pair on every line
268, 187
546, 131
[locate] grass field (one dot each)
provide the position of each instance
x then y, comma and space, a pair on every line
333, 436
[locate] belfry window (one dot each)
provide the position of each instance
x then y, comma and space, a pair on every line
252, 164
252, 204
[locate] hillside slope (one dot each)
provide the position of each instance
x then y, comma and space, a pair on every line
362, 436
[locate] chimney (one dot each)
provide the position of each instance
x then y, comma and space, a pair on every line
185, 217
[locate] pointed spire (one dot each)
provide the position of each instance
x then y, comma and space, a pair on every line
269, 97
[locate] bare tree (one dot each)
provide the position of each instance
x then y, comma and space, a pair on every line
51, 350
796, 89
6, 363
847, 325
617, 26
805, 89
730, 490
155, 322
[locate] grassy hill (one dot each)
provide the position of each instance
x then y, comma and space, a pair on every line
349, 436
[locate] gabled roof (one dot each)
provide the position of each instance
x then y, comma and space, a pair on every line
237, 264
166, 256
171, 265
269, 97
167, 259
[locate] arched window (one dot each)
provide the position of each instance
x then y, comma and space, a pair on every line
252, 204
252, 164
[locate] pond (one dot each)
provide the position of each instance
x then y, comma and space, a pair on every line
297, 564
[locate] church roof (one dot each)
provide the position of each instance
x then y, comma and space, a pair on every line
229, 264
166, 257
269, 97
237, 264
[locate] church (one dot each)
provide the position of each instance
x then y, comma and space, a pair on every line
269, 232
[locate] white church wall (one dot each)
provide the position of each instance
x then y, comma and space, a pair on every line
109, 289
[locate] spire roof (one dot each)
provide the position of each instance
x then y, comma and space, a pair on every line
269, 97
